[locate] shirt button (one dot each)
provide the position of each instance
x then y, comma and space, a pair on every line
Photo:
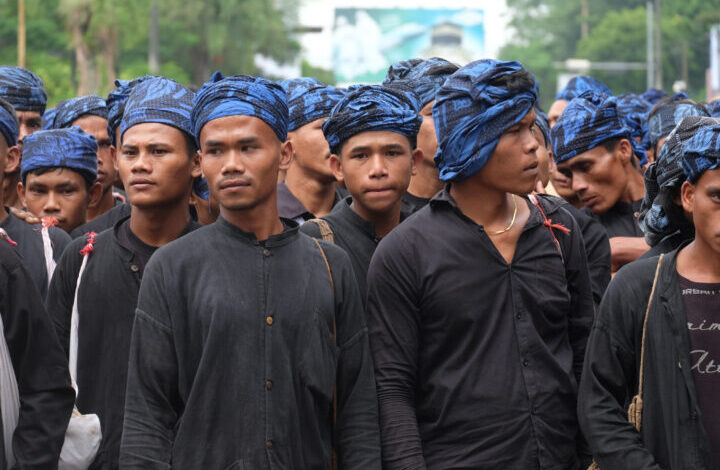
134, 268
269, 385
518, 316
266, 252
269, 444
526, 362
269, 320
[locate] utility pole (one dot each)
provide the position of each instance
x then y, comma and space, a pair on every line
584, 15
154, 39
650, 51
658, 45
21, 33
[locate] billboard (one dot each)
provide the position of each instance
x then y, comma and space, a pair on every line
367, 40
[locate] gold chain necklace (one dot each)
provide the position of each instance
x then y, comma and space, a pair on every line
512, 222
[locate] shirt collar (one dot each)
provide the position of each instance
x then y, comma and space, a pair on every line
289, 206
290, 231
343, 210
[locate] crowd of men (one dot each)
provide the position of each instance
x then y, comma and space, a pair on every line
431, 273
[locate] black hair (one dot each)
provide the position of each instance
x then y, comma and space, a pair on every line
87, 177
611, 144
516, 81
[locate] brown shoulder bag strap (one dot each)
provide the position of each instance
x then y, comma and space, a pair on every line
325, 231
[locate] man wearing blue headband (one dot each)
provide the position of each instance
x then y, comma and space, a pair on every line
424, 77
156, 161
666, 114
658, 326
90, 113
245, 328
309, 189
574, 88
27, 238
25, 91
594, 148
373, 133
479, 304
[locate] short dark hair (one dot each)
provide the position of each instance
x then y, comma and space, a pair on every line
611, 144
87, 177
518, 80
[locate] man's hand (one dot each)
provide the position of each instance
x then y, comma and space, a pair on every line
24, 215
625, 250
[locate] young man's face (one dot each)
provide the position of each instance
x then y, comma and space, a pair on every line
311, 151
30, 121
376, 167
240, 158
61, 193
513, 166
426, 138
555, 111
154, 165
599, 177
703, 201
97, 127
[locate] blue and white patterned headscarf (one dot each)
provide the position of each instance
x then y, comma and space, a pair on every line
159, 100
8, 125
471, 114
241, 95
713, 108
22, 89
634, 110
587, 122
48, 118
669, 115
116, 103
373, 108
68, 111
579, 85
309, 100
702, 152
60, 148
423, 76
200, 187
543, 124
653, 95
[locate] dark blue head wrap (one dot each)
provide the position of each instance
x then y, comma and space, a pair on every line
666, 116
200, 187
471, 114
634, 110
22, 89
424, 77
48, 118
116, 103
241, 95
579, 85
713, 108
68, 111
660, 216
702, 152
587, 122
653, 95
373, 108
543, 124
60, 148
308, 101
8, 125
159, 100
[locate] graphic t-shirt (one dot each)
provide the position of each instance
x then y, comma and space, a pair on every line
702, 304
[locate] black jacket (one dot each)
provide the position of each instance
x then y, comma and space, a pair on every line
41, 369
672, 436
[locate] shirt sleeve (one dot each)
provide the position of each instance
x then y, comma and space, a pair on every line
152, 404
597, 249
46, 395
358, 433
393, 322
608, 378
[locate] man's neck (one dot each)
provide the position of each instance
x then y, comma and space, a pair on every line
383, 222
318, 197
105, 203
262, 220
158, 226
426, 182
698, 262
635, 189
485, 206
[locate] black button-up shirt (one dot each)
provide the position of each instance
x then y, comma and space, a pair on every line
477, 360
290, 207
233, 359
621, 220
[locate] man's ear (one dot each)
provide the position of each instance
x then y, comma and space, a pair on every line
21, 193
113, 157
687, 195
95, 193
12, 160
195, 170
417, 158
286, 154
336, 167
624, 152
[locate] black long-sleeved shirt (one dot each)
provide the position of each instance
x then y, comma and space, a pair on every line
233, 360
477, 360
107, 299
41, 369
30, 247
104, 221
353, 234
621, 220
